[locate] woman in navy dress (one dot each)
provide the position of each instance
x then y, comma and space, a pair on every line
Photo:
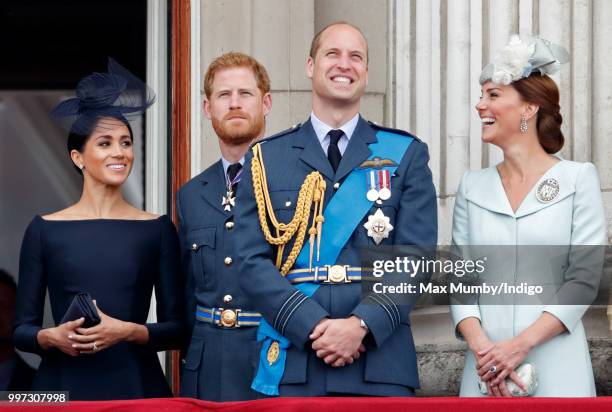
106, 247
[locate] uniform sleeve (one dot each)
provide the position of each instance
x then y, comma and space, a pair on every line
460, 238
189, 290
289, 311
588, 240
416, 224
31, 291
168, 331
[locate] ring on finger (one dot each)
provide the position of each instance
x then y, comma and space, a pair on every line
95, 347
493, 369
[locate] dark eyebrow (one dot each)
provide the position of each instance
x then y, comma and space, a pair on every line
493, 88
107, 136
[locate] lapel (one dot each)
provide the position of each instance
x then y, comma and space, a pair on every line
356, 152
567, 186
487, 191
213, 186
312, 153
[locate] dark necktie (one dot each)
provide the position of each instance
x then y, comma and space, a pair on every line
333, 151
232, 172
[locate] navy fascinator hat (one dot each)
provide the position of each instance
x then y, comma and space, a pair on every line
117, 94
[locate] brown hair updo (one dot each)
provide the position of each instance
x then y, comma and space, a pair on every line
543, 91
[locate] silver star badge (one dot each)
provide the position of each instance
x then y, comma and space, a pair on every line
378, 226
229, 201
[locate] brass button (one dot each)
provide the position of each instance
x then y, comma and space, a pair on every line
194, 247
227, 298
228, 261
229, 225
336, 186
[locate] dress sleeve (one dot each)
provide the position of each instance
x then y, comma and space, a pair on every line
461, 238
167, 332
587, 252
30, 306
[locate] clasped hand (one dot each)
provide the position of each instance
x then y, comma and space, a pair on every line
338, 341
107, 333
506, 356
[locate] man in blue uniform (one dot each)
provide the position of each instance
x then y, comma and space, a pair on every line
218, 365
311, 197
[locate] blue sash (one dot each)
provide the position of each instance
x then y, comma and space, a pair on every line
340, 223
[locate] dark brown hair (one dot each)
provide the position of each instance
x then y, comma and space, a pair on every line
237, 59
543, 91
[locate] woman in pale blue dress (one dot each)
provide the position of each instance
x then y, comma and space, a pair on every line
530, 198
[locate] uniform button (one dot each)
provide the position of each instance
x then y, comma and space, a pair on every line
229, 225
194, 246
228, 261
227, 298
336, 186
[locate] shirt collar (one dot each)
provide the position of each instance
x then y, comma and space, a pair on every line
226, 164
322, 129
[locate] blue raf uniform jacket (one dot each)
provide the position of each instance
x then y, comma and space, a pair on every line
388, 368
220, 363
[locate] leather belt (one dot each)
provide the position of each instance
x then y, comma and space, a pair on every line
227, 318
330, 274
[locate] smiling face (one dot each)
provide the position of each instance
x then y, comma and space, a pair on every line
339, 70
236, 106
107, 156
500, 108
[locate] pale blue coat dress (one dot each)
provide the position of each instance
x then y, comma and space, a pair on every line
483, 216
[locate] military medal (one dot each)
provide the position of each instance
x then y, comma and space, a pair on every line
372, 194
229, 200
273, 352
378, 226
547, 190
385, 184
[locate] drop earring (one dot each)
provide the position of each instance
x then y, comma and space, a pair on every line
523, 124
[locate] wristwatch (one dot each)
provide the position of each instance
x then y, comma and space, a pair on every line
363, 325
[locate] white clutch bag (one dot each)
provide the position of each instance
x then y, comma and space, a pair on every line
526, 373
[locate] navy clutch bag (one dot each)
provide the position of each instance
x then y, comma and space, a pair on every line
82, 306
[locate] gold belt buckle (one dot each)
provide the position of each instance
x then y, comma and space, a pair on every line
337, 274
229, 318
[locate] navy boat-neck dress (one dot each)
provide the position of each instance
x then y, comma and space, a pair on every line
118, 262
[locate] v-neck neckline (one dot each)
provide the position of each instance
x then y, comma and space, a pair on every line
531, 189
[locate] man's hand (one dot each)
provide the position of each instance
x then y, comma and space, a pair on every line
338, 341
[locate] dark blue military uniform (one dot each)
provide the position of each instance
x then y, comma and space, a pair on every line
220, 362
389, 367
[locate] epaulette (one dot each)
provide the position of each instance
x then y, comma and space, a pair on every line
279, 134
391, 130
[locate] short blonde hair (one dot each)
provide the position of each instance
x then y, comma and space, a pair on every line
237, 59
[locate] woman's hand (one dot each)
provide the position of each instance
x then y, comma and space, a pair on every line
504, 357
59, 337
107, 333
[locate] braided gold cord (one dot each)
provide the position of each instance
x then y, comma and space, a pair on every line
311, 191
